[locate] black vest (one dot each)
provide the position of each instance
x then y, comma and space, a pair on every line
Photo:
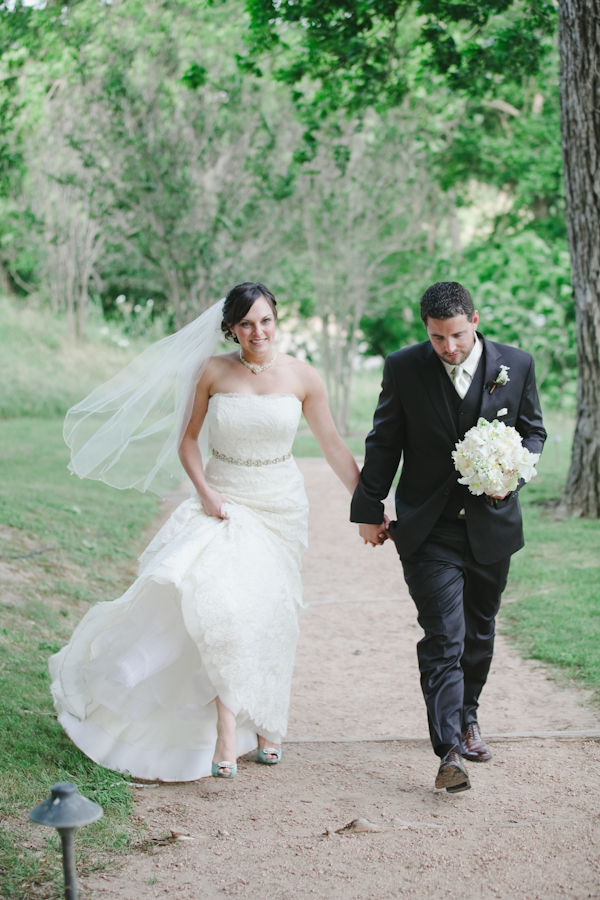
465, 413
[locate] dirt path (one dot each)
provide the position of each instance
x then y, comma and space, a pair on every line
530, 828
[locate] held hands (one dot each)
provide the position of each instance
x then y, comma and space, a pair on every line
375, 534
212, 502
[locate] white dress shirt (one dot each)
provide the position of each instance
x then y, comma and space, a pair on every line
461, 376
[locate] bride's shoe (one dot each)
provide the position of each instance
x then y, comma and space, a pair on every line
216, 772
262, 755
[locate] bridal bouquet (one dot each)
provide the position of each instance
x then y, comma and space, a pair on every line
492, 459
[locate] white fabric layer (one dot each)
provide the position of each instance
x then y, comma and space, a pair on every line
214, 611
127, 432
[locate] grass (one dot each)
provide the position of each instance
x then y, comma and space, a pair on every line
42, 372
90, 535
552, 602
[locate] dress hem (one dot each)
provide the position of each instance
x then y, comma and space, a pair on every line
151, 765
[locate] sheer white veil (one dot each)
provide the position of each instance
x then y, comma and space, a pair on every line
127, 432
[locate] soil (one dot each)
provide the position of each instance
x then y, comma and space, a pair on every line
357, 748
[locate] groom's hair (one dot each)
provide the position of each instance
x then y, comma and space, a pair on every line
445, 300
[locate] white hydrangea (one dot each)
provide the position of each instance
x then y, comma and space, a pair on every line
491, 459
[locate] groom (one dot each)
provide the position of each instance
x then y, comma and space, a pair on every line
455, 547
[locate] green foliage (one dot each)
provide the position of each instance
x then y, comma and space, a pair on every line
360, 51
148, 158
167, 130
513, 143
195, 76
187, 169
89, 534
521, 288
477, 45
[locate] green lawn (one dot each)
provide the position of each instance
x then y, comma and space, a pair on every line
90, 535
552, 602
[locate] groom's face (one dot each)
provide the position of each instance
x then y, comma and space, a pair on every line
453, 339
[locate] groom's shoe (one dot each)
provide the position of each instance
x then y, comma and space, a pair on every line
474, 747
452, 774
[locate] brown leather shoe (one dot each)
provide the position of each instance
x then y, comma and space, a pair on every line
452, 774
474, 747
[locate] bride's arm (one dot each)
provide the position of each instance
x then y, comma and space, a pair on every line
320, 421
189, 451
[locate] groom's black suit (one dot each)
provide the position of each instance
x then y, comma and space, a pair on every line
455, 567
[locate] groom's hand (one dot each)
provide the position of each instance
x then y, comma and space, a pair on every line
375, 534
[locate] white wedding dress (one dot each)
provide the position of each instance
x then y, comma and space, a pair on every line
214, 611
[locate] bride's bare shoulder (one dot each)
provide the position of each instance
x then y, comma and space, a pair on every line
222, 361
303, 371
216, 368
285, 359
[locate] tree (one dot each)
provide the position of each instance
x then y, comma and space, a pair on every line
171, 144
358, 53
33, 40
580, 104
147, 164
364, 198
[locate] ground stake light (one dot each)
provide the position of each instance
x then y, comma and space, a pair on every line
66, 810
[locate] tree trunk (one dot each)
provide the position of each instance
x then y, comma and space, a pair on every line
5, 285
579, 36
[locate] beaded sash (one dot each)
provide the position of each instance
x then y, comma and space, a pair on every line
251, 462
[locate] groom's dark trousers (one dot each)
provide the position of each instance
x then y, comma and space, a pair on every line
457, 599
455, 547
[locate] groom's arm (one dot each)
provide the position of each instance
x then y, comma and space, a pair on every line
529, 419
383, 449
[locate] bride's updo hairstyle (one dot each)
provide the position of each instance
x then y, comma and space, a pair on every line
238, 302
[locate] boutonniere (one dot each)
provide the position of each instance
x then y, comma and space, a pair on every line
501, 378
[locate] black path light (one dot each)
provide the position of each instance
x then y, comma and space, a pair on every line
66, 810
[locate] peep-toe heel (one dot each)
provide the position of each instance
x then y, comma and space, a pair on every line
262, 755
217, 773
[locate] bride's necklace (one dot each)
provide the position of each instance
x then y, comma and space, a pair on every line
253, 367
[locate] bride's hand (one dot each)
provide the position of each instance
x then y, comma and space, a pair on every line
212, 502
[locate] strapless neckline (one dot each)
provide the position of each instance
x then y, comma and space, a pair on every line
238, 394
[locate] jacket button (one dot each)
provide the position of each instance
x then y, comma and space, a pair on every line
446, 490
462, 412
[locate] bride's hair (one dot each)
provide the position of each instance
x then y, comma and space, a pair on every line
238, 302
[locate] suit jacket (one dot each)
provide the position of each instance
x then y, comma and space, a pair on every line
415, 420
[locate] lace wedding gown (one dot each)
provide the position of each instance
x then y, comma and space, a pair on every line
214, 611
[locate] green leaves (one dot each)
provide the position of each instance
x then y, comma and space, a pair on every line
195, 76
364, 53
521, 287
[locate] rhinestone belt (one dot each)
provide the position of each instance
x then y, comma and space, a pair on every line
251, 462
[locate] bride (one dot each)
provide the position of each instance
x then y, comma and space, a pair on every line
192, 666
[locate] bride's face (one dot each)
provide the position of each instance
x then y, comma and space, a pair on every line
256, 331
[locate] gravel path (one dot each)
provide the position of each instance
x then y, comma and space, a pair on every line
357, 748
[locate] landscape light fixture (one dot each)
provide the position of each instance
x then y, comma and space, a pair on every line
66, 810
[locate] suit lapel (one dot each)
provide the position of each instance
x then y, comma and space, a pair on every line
431, 373
493, 361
